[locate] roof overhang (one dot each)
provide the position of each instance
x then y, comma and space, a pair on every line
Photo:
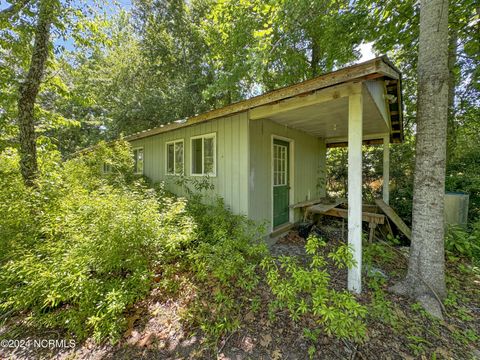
330, 87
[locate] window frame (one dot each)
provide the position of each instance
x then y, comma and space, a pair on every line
135, 160
174, 158
203, 137
106, 168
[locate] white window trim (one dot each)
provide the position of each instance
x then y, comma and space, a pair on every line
204, 136
174, 156
143, 168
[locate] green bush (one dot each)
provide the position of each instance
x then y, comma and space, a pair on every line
17, 226
463, 243
223, 261
81, 247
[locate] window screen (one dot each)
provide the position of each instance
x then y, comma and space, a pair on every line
138, 161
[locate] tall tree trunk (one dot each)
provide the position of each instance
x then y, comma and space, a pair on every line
28, 93
425, 280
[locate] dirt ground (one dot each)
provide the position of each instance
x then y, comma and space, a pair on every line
156, 330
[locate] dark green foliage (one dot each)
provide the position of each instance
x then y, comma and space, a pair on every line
402, 159
462, 243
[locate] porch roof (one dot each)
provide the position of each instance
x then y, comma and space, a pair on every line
319, 106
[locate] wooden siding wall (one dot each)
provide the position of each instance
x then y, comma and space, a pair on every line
309, 167
231, 181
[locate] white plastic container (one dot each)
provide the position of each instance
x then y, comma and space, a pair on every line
456, 208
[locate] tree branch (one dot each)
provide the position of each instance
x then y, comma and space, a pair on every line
13, 9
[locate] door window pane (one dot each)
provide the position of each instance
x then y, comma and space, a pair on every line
280, 175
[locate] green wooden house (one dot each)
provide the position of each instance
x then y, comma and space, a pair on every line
268, 153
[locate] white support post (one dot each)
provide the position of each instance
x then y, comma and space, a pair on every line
386, 169
355, 134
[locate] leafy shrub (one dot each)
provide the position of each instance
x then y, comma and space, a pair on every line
80, 247
83, 246
463, 243
16, 223
304, 291
223, 261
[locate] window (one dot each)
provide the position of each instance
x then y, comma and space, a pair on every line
107, 168
204, 155
138, 160
174, 157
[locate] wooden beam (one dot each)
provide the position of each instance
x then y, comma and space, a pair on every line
303, 204
375, 136
371, 232
397, 220
387, 104
388, 69
364, 142
281, 230
343, 213
370, 208
317, 97
355, 132
324, 207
